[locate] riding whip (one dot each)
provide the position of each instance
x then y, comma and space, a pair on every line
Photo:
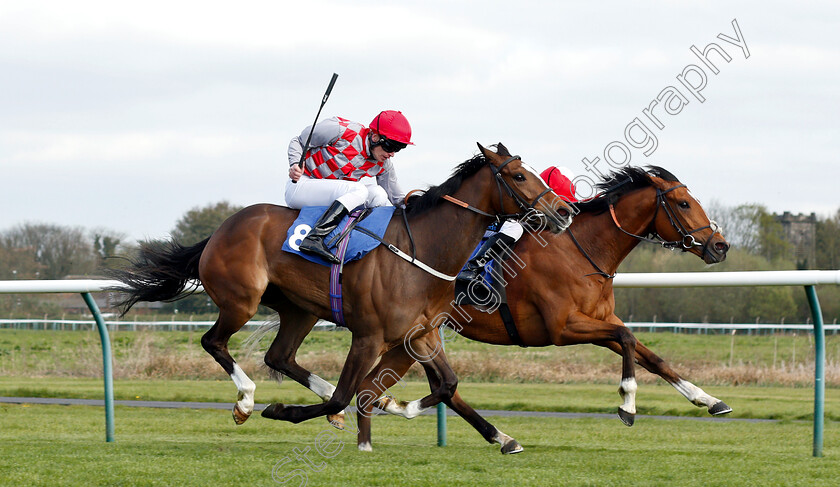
323, 101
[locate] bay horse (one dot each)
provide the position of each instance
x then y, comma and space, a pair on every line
561, 294
241, 265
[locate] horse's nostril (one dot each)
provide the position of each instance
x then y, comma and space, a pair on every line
721, 247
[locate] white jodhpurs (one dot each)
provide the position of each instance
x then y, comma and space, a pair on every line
322, 192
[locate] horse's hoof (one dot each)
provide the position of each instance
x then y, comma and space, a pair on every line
273, 411
239, 416
512, 447
365, 446
626, 418
719, 409
336, 420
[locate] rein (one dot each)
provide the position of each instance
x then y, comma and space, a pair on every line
406, 257
500, 183
585, 254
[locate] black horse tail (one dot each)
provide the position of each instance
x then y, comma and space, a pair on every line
162, 271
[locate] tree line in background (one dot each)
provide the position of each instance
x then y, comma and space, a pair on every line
46, 251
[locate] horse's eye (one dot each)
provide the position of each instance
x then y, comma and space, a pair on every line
684, 205
519, 177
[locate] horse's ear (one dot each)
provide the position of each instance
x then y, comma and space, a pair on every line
487, 152
502, 150
656, 181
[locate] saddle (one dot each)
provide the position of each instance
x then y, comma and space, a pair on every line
375, 223
345, 248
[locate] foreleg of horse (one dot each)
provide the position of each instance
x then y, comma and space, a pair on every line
442, 379
656, 365
295, 325
457, 403
360, 359
487, 430
394, 364
215, 343
598, 332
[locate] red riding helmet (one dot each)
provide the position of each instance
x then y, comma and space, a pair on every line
393, 125
562, 185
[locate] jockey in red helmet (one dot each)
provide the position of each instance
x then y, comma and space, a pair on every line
501, 242
559, 180
347, 165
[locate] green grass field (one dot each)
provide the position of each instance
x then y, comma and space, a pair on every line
64, 445
762, 377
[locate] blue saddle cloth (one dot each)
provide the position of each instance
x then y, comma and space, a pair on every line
360, 244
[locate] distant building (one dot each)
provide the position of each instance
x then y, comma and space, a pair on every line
801, 231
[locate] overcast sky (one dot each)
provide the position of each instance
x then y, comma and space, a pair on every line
126, 116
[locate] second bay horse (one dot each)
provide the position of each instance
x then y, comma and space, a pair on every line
563, 293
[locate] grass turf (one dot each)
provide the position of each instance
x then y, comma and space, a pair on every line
64, 445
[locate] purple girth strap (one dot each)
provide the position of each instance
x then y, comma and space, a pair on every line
336, 302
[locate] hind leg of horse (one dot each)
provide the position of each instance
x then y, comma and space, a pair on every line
296, 324
363, 353
656, 365
586, 330
215, 342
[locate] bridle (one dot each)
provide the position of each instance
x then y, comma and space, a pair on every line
687, 242
500, 185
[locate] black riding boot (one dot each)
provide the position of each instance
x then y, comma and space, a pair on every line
314, 244
498, 244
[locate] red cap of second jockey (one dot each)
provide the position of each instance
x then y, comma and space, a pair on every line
393, 125
561, 184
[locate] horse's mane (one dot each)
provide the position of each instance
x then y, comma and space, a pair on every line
621, 182
417, 205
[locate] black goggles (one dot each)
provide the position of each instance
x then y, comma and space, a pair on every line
391, 145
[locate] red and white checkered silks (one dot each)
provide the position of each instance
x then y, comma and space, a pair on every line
346, 158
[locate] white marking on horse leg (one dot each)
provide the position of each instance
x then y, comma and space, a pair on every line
509, 444
627, 390
390, 405
325, 390
408, 410
501, 438
365, 446
413, 409
246, 388
694, 394
320, 387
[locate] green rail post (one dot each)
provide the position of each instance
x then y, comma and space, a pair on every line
441, 408
819, 369
106, 369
